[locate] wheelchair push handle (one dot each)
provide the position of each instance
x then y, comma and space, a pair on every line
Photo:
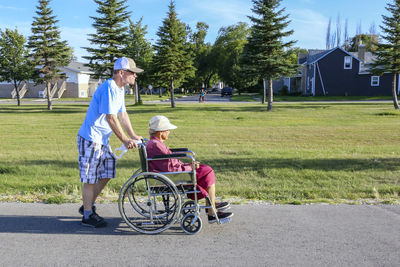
123, 149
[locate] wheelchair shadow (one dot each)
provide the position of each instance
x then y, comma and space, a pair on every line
67, 225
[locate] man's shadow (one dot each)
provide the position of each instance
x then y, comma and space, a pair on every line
68, 225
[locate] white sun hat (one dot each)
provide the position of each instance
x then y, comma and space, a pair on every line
160, 123
126, 63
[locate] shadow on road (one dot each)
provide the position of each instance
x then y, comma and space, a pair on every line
67, 225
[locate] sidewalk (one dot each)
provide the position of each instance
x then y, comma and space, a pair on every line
259, 235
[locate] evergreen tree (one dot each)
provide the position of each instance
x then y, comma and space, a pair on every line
172, 62
266, 54
15, 65
138, 48
47, 50
388, 53
109, 38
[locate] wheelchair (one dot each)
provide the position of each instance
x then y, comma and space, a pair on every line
150, 202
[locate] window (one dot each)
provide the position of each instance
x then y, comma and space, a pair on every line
348, 60
374, 80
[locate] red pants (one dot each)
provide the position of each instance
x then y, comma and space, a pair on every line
205, 179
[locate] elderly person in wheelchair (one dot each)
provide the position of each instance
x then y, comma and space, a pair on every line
159, 129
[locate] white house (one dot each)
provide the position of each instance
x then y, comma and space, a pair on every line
77, 84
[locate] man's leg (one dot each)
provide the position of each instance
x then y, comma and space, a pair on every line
88, 193
99, 187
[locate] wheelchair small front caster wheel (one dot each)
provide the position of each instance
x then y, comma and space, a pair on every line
191, 224
188, 207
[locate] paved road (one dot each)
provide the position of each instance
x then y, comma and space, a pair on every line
259, 235
209, 98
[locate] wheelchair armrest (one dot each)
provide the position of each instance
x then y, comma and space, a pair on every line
179, 149
169, 156
186, 150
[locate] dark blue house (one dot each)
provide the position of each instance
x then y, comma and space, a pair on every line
336, 72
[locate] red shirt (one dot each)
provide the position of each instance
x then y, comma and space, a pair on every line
156, 147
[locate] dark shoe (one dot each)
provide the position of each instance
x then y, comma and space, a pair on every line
94, 221
81, 209
221, 206
221, 216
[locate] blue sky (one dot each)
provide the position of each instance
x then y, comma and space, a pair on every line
309, 18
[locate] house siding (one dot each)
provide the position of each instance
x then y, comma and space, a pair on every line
337, 80
330, 74
384, 88
309, 79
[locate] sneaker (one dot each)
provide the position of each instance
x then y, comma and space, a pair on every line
81, 209
221, 206
221, 215
94, 221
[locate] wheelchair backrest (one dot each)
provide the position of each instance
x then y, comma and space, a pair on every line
143, 156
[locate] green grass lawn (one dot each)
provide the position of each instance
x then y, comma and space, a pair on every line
257, 98
298, 153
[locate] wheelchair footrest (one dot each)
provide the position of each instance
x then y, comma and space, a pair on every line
225, 220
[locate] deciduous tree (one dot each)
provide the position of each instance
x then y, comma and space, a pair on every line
141, 50
227, 52
15, 65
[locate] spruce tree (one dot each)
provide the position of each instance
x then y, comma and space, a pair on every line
266, 54
47, 50
388, 53
172, 62
109, 39
15, 65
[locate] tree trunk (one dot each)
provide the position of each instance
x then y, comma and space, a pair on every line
264, 93
394, 91
48, 88
172, 94
138, 92
270, 95
16, 86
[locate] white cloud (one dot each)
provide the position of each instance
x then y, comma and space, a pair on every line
10, 7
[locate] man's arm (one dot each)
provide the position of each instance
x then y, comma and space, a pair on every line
126, 123
117, 129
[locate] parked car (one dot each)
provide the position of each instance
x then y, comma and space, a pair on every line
226, 91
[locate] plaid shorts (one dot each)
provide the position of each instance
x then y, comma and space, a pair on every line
96, 161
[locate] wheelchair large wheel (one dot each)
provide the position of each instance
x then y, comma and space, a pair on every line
149, 203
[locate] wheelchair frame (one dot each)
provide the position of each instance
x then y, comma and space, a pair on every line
150, 202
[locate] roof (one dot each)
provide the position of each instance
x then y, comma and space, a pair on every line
315, 55
79, 67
